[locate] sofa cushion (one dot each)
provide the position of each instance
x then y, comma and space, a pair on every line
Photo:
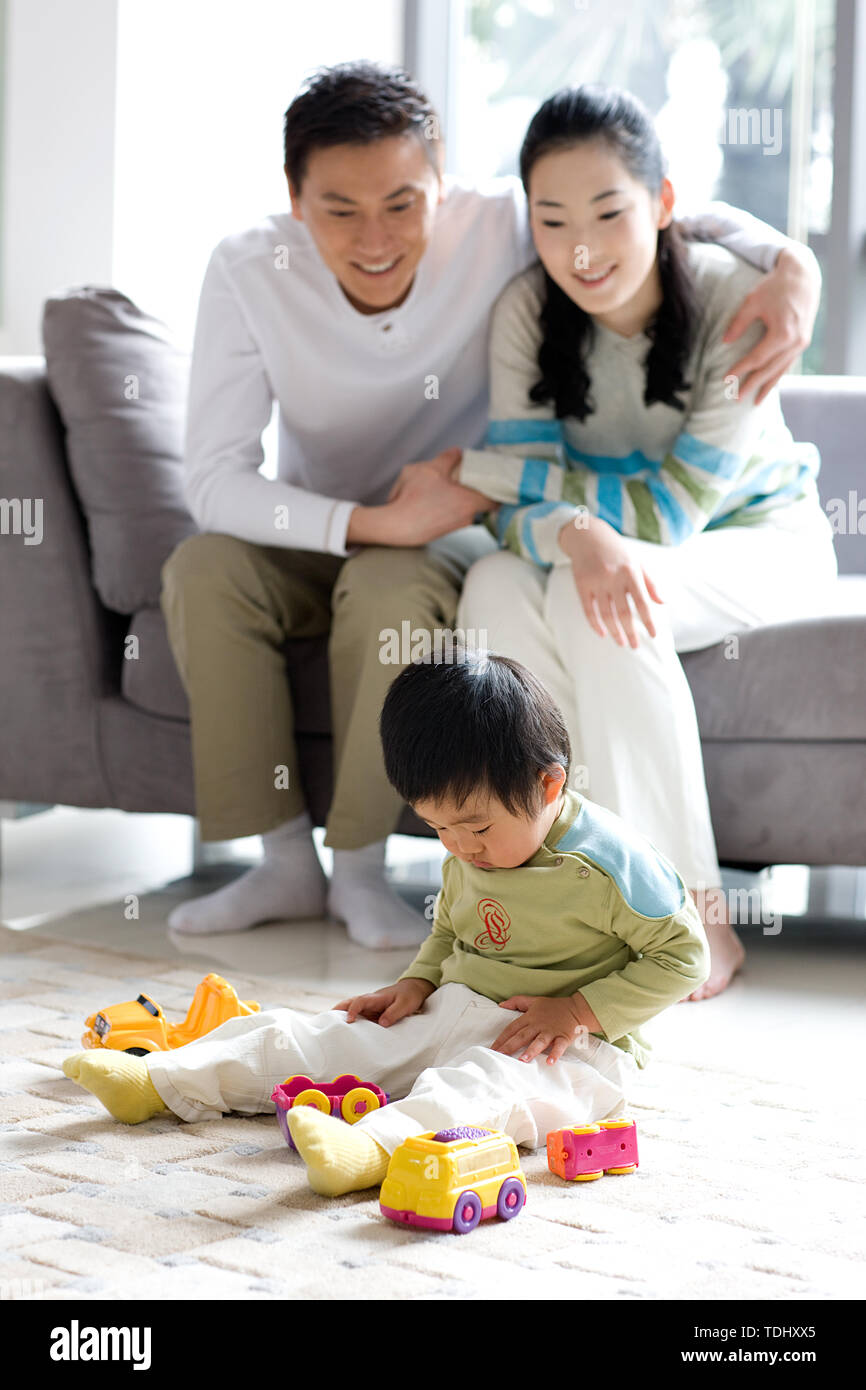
788, 682
119, 383
149, 675
799, 682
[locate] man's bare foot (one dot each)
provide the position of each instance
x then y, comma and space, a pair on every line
726, 957
726, 949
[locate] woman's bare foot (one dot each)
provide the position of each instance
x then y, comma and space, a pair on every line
726, 949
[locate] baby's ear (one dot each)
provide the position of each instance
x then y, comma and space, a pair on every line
553, 781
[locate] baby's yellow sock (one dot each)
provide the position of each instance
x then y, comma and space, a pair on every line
339, 1157
121, 1082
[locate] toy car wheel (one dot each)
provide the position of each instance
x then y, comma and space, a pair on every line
511, 1199
632, 1168
467, 1213
358, 1102
313, 1097
136, 1051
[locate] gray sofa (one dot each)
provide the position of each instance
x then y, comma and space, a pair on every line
91, 719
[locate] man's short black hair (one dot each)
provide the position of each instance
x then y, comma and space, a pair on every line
355, 104
482, 723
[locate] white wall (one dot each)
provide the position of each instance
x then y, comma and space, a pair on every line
139, 132
58, 158
202, 88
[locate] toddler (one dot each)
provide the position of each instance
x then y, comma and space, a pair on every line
557, 933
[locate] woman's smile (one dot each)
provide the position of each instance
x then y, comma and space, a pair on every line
593, 280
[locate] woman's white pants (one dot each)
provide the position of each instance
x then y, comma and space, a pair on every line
629, 712
437, 1065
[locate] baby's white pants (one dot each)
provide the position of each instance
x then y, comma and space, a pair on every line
437, 1065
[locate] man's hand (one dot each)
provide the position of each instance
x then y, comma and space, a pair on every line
429, 505
546, 1023
606, 578
423, 504
388, 1005
444, 465
786, 300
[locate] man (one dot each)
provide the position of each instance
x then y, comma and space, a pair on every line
365, 313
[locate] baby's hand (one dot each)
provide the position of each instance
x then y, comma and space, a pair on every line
388, 1005
546, 1023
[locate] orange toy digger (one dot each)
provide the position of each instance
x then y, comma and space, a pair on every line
140, 1026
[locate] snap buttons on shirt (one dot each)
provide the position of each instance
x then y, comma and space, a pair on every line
558, 859
584, 873
393, 338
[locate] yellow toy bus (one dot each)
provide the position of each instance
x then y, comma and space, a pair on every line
452, 1180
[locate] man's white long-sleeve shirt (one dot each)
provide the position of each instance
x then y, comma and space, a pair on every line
359, 395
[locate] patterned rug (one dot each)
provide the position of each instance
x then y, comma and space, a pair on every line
751, 1183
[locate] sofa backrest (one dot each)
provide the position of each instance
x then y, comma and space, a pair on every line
830, 411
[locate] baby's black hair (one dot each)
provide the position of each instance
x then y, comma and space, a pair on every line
480, 723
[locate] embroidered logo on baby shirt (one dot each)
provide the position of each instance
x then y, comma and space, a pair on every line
496, 925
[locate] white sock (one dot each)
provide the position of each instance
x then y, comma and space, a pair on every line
361, 897
289, 883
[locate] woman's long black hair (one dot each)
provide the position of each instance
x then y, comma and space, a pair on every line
567, 118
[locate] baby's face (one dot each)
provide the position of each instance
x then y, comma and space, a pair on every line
482, 832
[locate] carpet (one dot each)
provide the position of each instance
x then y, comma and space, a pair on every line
751, 1184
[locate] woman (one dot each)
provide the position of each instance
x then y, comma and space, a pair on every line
645, 498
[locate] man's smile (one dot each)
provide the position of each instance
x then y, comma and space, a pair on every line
377, 269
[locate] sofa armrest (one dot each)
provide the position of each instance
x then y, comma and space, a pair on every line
61, 649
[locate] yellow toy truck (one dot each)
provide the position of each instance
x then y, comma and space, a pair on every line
139, 1026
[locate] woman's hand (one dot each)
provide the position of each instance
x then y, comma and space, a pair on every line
786, 300
606, 577
388, 1005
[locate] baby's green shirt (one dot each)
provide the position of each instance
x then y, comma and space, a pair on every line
597, 908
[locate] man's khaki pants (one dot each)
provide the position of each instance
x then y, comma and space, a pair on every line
230, 605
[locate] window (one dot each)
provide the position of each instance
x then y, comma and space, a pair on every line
471, 1163
742, 96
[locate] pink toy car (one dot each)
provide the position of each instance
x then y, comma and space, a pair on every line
584, 1152
347, 1097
